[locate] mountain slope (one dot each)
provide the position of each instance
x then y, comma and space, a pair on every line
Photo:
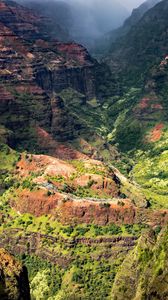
144, 45
57, 14
84, 21
34, 69
140, 61
14, 283
135, 17
66, 211
144, 273
106, 43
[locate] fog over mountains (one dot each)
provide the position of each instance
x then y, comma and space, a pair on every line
85, 21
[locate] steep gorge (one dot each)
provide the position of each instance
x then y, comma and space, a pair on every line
66, 211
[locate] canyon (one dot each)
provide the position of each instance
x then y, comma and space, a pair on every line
83, 158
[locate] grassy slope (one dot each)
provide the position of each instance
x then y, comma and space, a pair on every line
144, 272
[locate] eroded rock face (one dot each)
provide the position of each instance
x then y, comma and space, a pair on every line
14, 284
70, 66
62, 125
144, 272
33, 69
26, 24
16, 241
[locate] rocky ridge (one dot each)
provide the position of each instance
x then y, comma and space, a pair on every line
14, 283
144, 271
16, 241
33, 69
68, 207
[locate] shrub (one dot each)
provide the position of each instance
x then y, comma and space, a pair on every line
105, 205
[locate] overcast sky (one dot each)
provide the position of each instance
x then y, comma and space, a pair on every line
130, 4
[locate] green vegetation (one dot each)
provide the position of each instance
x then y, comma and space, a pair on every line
12, 278
8, 160
80, 279
45, 278
81, 169
151, 172
119, 126
144, 271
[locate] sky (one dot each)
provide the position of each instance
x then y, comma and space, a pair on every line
130, 4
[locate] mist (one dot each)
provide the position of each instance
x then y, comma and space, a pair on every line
86, 20
96, 17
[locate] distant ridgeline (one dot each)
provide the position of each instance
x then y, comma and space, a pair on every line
83, 158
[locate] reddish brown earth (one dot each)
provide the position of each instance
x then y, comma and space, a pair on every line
33, 69
100, 183
48, 167
44, 164
68, 210
55, 148
156, 133
148, 106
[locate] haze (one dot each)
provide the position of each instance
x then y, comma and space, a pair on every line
129, 4
88, 19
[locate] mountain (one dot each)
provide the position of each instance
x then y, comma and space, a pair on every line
46, 25
85, 21
135, 17
144, 271
35, 68
139, 60
83, 166
133, 52
57, 13
104, 44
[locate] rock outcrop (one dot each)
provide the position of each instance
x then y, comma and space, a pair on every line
14, 284
38, 244
144, 272
33, 69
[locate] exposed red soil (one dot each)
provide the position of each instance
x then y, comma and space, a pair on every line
94, 212
156, 133
150, 102
37, 203
144, 102
56, 149
46, 164
69, 211
100, 183
43, 165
